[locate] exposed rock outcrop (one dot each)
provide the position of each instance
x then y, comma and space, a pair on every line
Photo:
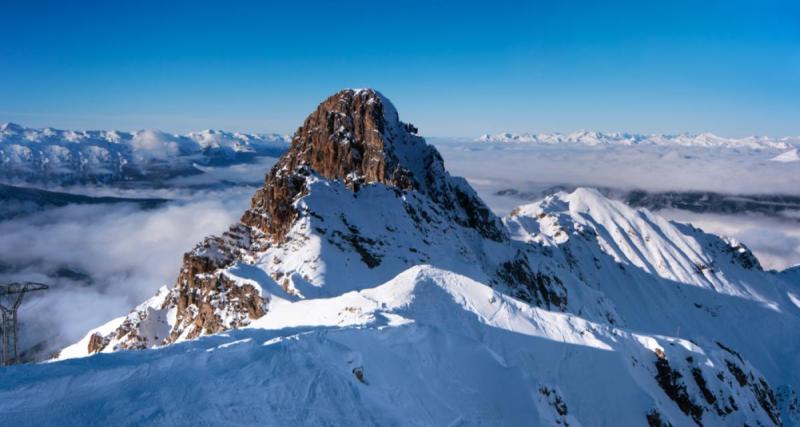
356, 136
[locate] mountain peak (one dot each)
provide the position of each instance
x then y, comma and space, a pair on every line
11, 126
355, 136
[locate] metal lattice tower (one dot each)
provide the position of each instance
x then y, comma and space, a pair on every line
13, 293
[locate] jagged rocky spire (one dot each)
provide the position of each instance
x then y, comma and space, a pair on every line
356, 136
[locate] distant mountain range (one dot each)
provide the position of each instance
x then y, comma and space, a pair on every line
54, 157
707, 140
64, 157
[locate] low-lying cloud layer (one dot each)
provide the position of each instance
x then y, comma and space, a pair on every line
102, 260
648, 168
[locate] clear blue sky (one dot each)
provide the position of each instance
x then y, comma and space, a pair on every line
452, 68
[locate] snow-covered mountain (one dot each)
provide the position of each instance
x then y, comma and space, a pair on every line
63, 157
788, 156
774, 205
365, 285
702, 140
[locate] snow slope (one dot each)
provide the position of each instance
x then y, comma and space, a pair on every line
416, 341
419, 337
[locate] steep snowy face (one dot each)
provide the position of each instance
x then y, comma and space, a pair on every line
53, 156
636, 237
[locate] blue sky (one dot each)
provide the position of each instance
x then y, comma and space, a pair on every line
451, 68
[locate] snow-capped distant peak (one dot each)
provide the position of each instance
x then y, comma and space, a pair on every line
583, 137
787, 157
10, 127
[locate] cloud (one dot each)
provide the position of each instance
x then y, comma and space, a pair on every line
102, 260
647, 168
253, 172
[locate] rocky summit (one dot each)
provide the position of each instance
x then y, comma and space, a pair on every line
356, 137
365, 285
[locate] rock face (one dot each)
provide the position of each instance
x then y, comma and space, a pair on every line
343, 139
346, 138
203, 296
356, 136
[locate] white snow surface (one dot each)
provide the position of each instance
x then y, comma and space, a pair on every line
787, 157
435, 344
435, 348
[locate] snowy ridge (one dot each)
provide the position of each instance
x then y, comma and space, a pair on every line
639, 238
64, 156
406, 352
368, 284
702, 140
